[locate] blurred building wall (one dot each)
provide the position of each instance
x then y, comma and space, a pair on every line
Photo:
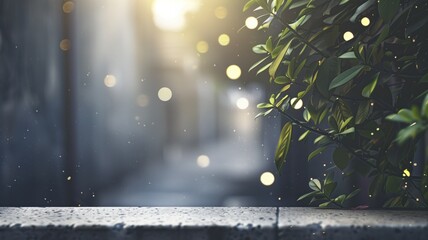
31, 90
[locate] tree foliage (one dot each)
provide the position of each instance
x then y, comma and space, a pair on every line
360, 67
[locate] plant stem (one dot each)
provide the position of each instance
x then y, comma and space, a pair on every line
299, 123
334, 139
332, 201
313, 47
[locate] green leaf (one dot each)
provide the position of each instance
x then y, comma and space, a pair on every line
262, 69
345, 76
280, 102
278, 60
348, 131
329, 188
377, 185
323, 205
278, 4
383, 35
341, 158
285, 88
348, 55
272, 99
282, 80
315, 184
404, 116
388, 9
263, 113
368, 90
298, 22
248, 5
283, 145
345, 123
424, 79
410, 132
424, 110
257, 63
299, 3
259, 115
306, 115
393, 184
303, 136
316, 152
264, 5
352, 194
341, 113
340, 199
362, 8
269, 47
329, 69
264, 105
260, 49
307, 195
299, 69
363, 112
290, 68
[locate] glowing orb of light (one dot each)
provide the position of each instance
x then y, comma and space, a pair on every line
267, 178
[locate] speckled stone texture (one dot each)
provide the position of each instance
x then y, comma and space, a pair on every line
312, 223
138, 223
210, 223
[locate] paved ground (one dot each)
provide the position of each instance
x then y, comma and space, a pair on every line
210, 223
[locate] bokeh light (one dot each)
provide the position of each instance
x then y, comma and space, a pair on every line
267, 178
233, 72
296, 105
242, 103
68, 7
251, 22
220, 12
365, 21
165, 94
203, 161
202, 47
224, 39
110, 80
65, 44
348, 36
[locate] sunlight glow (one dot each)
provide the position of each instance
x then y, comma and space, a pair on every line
203, 161
242, 103
267, 178
170, 15
224, 39
110, 81
365, 21
251, 22
297, 105
202, 47
165, 94
348, 36
233, 72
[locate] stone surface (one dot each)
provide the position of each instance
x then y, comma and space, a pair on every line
138, 223
313, 223
210, 223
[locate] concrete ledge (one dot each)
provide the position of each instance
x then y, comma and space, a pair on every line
210, 223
